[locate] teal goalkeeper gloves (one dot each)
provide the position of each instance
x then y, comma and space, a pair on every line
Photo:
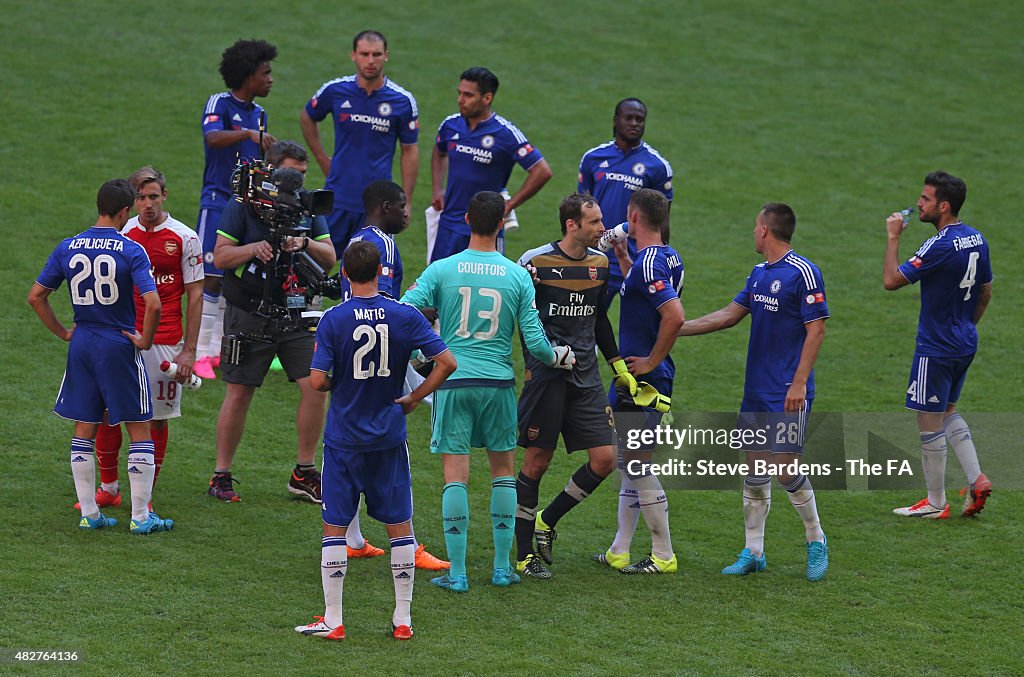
648, 396
623, 379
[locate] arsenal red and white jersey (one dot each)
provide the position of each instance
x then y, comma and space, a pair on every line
177, 259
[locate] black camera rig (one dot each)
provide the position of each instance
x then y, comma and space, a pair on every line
277, 198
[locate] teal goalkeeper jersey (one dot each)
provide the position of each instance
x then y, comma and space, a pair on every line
480, 296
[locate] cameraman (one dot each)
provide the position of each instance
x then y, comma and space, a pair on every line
247, 258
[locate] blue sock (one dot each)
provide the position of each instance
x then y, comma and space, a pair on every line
455, 510
503, 513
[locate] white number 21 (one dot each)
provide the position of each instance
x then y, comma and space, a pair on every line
370, 334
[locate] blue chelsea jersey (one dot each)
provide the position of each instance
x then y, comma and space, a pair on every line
782, 297
612, 175
225, 112
389, 281
655, 278
479, 159
366, 127
951, 267
365, 344
103, 268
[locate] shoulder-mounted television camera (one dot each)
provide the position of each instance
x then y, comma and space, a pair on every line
277, 197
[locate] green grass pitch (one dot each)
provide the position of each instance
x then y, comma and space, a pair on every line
839, 109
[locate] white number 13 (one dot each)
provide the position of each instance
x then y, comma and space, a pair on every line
492, 315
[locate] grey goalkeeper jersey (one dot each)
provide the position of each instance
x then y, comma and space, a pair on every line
569, 302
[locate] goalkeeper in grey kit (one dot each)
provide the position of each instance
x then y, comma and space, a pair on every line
571, 277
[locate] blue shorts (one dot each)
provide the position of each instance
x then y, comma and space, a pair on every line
104, 372
449, 243
936, 382
342, 225
769, 426
206, 228
383, 477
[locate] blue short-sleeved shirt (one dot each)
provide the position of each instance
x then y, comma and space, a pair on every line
365, 344
612, 175
782, 297
655, 278
224, 112
951, 266
479, 159
103, 269
366, 127
390, 279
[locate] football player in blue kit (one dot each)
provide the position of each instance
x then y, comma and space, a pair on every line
370, 113
612, 171
477, 149
955, 273
231, 126
105, 370
785, 298
650, 318
386, 216
363, 347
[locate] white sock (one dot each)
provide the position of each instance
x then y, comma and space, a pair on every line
933, 461
141, 471
629, 515
757, 501
353, 534
218, 328
801, 495
654, 506
206, 324
403, 573
111, 488
958, 436
83, 470
333, 565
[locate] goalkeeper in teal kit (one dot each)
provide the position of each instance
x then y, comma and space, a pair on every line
480, 296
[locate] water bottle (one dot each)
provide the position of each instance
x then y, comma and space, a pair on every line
511, 221
171, 369
613, 236
906, 214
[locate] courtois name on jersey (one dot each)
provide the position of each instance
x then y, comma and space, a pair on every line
479, 159
568, 297
102, 268
950, 266
366, 127
781, 297
365, 344
655, 278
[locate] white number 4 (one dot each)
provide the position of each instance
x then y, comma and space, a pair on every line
972, 270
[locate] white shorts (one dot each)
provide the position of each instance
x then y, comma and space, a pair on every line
166, 391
